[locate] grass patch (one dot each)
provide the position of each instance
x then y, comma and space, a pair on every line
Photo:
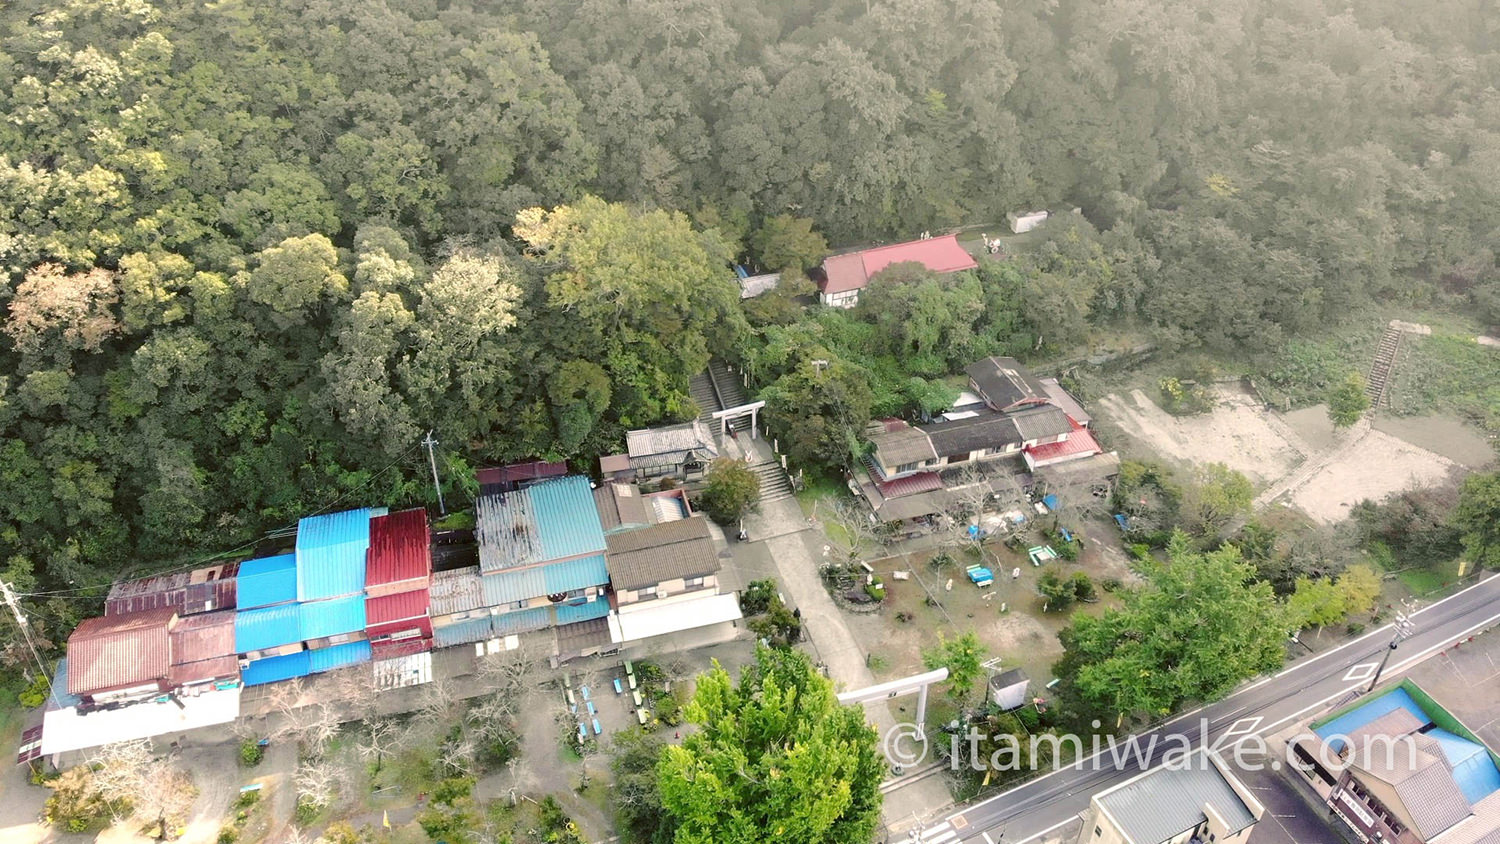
1423, 581
1448, 373
819, 488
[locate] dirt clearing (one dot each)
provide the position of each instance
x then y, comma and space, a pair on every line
1239, 432
1443, 435
1375, 467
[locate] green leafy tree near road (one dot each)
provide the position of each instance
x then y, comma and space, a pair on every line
963, 656
775, 758
1197, 627
1478, 518
732, 490
1348, 401
787, 243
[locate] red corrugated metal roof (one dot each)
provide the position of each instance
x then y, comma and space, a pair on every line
1079, 441
515, 473
200, 637
117, 652
397, 607
204, 670
200, 590
909, 485
400, 548
853, 271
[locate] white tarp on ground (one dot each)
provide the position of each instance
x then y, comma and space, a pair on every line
401, 671
64, 729
633, 625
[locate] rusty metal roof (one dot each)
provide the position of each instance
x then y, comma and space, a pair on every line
400, 548
189, 592
120, 651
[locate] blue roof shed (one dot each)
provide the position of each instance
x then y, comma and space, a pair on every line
571, 613
267, 581
332, 617
267, 627
551, 520
339, 656
274, 669
331, 554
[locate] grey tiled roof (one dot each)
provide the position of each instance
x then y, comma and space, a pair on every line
689, 436
1169, 801
1004, 381
1421, 779
987, 430
644, 557
1045, 421
902, 446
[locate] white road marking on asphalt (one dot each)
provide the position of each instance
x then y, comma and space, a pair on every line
1361, 672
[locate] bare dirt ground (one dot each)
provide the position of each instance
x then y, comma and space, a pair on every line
1299, 457
1238, 433
1375, 467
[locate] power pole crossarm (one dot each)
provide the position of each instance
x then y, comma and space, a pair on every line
432, 460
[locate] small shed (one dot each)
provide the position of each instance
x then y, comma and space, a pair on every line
1024, 221
1008, 689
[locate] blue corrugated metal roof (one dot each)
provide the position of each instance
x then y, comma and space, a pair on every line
332, 617
276, 668
60, 694
339, 656
1362, 715
266, 627
1473, 769
266, 581
570, 613
566, 517
522, 621
331, 554
462, 632
506, 587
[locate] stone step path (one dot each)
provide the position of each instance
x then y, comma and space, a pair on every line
1380, 369
774, 484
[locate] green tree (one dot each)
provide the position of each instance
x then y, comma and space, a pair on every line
1198, 626
963, 656
1058, 592
1360, 586
1477, 518
786, 243
1217, 496
637, 802
1315, 602
776, 758
732, 490
1347, 402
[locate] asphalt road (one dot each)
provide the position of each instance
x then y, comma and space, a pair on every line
1261, 708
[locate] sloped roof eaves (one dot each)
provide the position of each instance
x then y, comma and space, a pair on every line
400, 548
507, 587
267, 581
454, 591
667, 551
204, 670
200, 590
462, 632
1004, 381
201, 637
551, 520
574, 613
276, 668
1046, 421
670, 439
1169, 800
1433, 799
907, 445
991, 430
338, 656
331, 551
521, 621
398, 607
844, 273
117, 652
267, 627
938, 254
332, 617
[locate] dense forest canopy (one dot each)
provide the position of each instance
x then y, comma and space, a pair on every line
252, 249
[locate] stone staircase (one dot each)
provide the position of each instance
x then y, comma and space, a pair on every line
774, 484
1380, 369
701, 387
718, 388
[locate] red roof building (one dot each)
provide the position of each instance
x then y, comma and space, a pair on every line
1079, 444
203, 649
399, 616
845, 275
115, 655
400, 555
517, 475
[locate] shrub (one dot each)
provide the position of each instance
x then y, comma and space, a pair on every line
247, 799
306, 813
228, 835
251, 753
1111, 584
942, 561
1068, 551
35, 694
1083, 588
451, 790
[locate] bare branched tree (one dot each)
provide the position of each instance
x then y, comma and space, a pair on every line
317, 783
130, 775
851, 533
381, 739
436, 703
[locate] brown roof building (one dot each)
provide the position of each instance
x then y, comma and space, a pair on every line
660, 553
121, 654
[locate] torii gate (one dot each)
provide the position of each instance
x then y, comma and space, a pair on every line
732, 413
896, 688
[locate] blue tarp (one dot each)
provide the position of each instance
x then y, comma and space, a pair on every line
1050, 501
331, 554
1473, 769
569, 614
330, 618
1360, 716
267, 627
266, 581
276, 668
339, 656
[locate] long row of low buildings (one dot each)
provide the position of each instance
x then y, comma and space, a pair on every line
581, 568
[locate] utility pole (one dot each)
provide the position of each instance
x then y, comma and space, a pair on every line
25, 626
15, 608
432, 460
1404, 629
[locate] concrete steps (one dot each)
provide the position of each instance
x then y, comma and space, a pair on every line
701, 388
1380, 369
774, 484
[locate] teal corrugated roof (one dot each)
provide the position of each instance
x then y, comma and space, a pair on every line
1473, 770
1345, 724
551, 520
570, 613
332, 617
275, 669
331, 554
267, 627
507, 587
522, 621
462, 632
266, 581
338, 656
